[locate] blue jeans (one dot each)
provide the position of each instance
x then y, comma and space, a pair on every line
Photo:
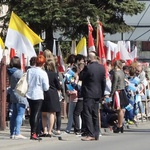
72, 106
138, 108
16, 118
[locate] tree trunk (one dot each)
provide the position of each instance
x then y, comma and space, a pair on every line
49, 39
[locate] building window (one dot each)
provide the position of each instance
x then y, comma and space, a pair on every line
146, 46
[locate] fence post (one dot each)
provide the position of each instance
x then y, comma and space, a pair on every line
3, 94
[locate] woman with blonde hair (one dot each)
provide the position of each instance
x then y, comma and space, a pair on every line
118, 94
48, 54
51, 103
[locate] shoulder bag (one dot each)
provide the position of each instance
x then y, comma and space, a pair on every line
22, 85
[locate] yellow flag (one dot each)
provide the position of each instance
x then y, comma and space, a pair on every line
81, 47
20, 37
2, 43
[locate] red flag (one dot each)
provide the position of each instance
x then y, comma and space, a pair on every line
110, 49
124, 54
133, 54
21, 56
12, 53
61, 65
100, 46
128, 46
116, 54
91, 46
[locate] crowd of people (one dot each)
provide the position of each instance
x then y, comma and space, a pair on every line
96, 96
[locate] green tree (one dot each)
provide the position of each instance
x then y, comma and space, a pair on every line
69, 16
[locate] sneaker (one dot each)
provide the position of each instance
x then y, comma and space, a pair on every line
35, 137
20, 137
130, 122
67, 131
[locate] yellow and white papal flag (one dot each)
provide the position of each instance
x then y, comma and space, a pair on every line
2, 47
20, 37
81, 47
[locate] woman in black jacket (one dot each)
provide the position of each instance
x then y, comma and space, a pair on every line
51, 103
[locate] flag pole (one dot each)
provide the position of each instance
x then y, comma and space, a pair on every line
97, 37
88, 21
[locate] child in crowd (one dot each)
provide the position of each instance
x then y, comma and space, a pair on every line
134, 91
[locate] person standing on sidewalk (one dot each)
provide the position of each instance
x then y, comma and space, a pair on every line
118, 94
79, 125
18, 102
38, 82
93, 86
51, 103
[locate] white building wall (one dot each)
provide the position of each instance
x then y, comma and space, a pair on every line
141, 32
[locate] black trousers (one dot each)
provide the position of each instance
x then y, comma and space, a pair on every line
35, 108
91, 116
57, 124
79, 112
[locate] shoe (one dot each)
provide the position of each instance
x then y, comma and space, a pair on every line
12, 136
67, 131
43, 135
130, 122
56, 132
49, 135
35, 137
122, 129
97, 138
77, 133
88, 138
84, 134
19, 137
117, 130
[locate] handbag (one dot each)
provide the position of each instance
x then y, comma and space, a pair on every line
22, 85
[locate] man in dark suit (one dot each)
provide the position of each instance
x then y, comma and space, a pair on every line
93, 86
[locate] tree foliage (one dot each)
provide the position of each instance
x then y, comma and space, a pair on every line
70, 16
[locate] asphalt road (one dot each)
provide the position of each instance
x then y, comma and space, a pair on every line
135, 138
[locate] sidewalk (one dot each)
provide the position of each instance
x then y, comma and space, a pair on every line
6, 142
